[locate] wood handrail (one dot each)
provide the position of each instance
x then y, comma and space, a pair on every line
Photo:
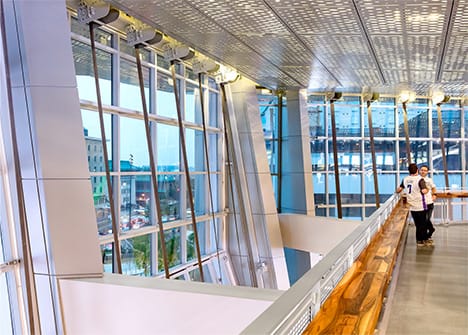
354, 305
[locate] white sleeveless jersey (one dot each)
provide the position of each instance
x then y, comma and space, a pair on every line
429, 184
416, 199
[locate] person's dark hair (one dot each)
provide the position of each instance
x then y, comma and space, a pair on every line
412, 168
424, 166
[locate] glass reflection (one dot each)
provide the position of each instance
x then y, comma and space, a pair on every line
419, 153
136, 255
349, 155
169, 195
133, 146
173, 248
451, 123
85, 73
316, 121
192, 104
418, 123
213, 109
165, 100
93, 141
195, 149
383, 122
168, 154
135, 202
347, 120
452, 155
130, 95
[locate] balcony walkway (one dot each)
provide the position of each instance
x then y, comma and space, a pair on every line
431, 293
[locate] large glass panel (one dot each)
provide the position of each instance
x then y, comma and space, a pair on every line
100, 36
93, 141
145, 55
130, 95
272, 154
133, 146
173, 248
195, 149
455, 180
317, 152
192, 75
135, 202
385, 156
347, 120
351, 213
102, 207
168, 156
319, 182
165, 100
316, 99
269, 117
6, 326
107, 252
387, 184
418, 123
213, 156
195, 274
136, 255
190, 240
419, 153
350, 184
216, 237
349, 155
465, 111
451, 123
162, 63
316, 120
213, 109
199, 193
169, 195
85, 73
214, 179
192, 104
383, 122
452, 156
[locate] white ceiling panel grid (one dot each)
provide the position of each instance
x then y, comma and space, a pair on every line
323, 43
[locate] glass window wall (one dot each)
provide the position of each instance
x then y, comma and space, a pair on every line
129, 157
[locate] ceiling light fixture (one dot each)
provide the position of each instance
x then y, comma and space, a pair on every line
440, 98
407, 96
226, 75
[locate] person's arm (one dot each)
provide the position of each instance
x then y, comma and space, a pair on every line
433, 191
400, 188
423, 186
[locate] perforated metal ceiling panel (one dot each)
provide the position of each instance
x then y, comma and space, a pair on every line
324, 44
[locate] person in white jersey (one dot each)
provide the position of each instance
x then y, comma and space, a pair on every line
430, 198
416, 188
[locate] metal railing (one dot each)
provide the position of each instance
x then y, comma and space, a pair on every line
292, 312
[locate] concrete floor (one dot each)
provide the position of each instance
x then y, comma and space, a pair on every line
431, 293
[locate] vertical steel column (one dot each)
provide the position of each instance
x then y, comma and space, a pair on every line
240, 199
405, 120
115, 227
208, 170
154, 179
374, 164
442, 143
33, 322
335, 154
280, 149
186, 168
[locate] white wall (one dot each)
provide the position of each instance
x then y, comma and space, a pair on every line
314, 234
118, 304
